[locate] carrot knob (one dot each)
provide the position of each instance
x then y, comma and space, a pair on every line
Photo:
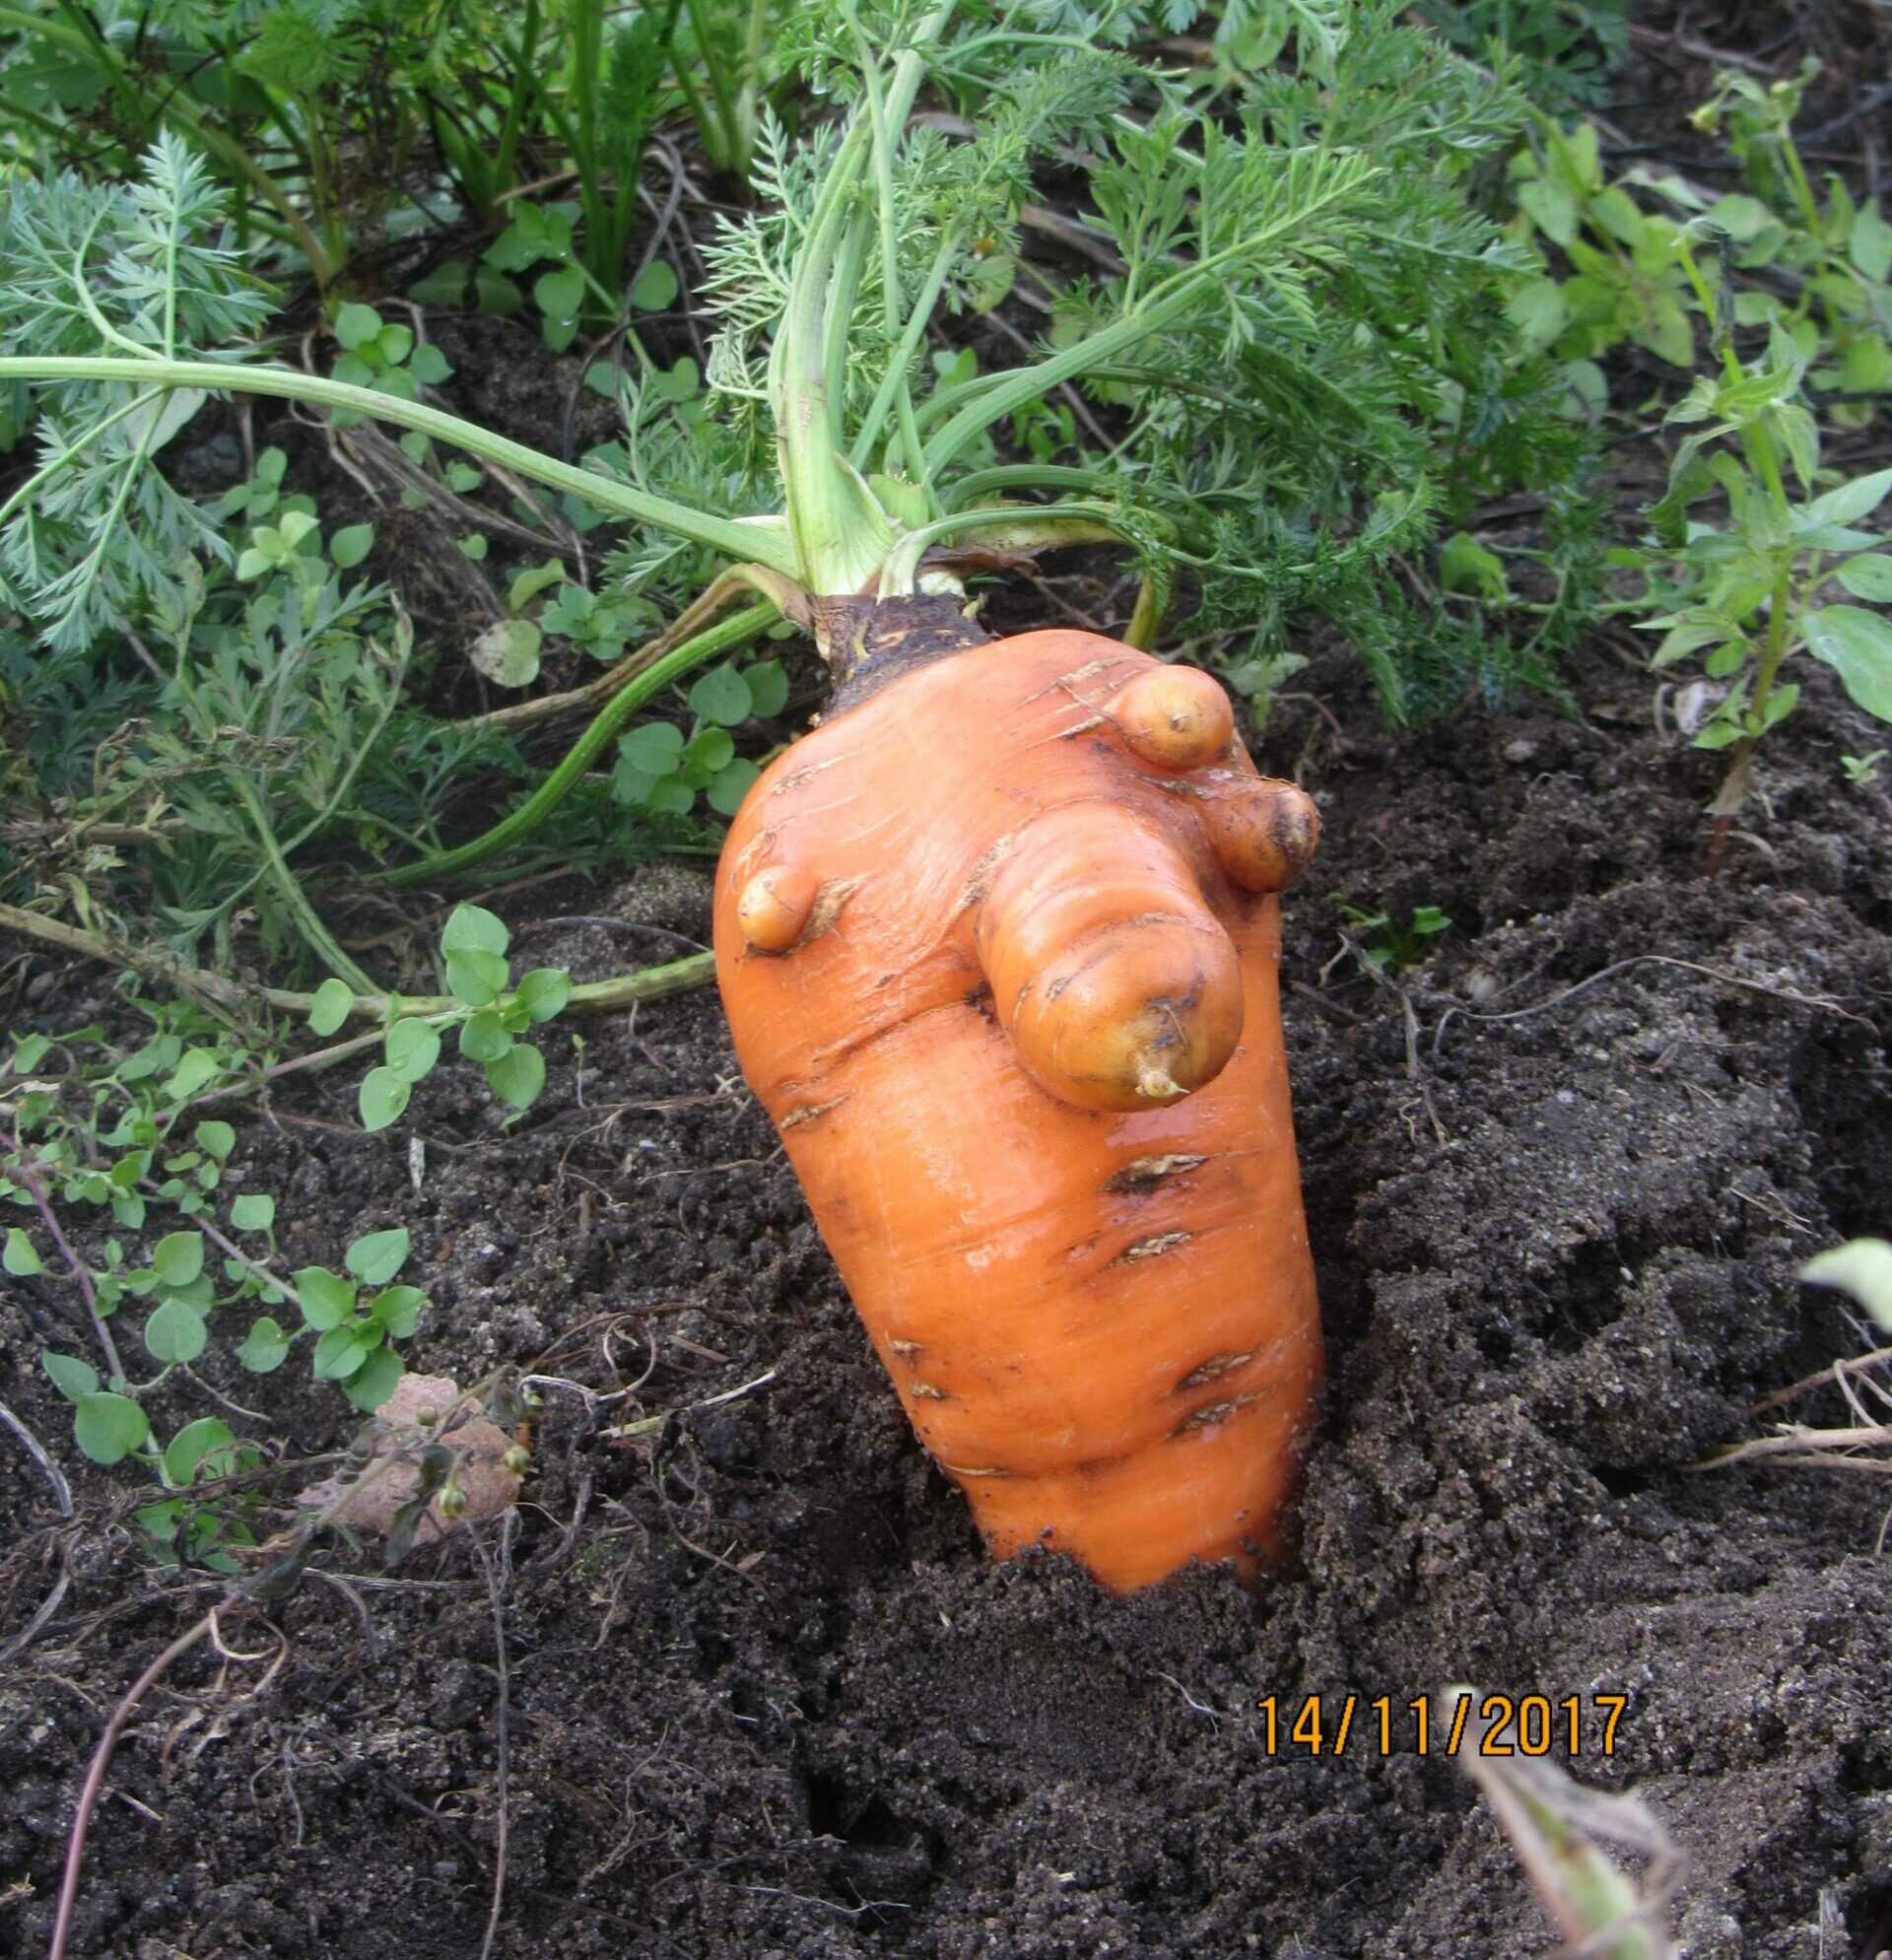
1262, 832
776, 907
1176, 718
1117, 985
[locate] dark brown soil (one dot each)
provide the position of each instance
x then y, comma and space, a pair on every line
767, 1697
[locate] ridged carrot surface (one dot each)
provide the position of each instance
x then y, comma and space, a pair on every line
999, 950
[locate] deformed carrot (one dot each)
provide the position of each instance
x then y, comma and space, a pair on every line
1030, 1074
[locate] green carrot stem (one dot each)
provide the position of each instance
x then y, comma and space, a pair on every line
762, 541
694, 652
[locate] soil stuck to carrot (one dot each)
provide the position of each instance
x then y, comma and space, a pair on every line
767, 1695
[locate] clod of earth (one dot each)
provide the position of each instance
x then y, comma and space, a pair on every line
998, 948
418, 1415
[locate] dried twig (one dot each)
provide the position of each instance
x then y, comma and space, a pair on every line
1726, 978
96, 1775
503, 1736
1415, 1069
54, 1474
43, 1204
1826, 1378
62, 1497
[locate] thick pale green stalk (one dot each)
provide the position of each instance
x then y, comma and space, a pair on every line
762, 541
841, 536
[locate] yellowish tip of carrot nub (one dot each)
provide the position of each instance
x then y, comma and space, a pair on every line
1156, 1083
776, 907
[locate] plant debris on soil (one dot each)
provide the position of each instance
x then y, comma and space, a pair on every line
764, 1693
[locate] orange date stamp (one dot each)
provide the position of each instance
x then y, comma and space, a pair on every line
1383, 1726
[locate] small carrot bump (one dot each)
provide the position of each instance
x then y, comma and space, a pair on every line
1176, 717
776, 907
1263, 833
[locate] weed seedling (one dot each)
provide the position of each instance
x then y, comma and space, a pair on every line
1390, 946
490, 1013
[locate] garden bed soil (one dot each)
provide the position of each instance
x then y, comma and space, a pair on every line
765, 1696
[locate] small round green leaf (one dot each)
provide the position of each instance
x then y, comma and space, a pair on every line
196, 1070
544, 992
338, 1354
179, 1258
376, 1257
398, 1310
254, 1211
656, 288
483, 1035
517, 1076
725, 794
350, 545
768, 682
653, 749
721, 696
474, 929
508, 652
705, 754
672, 797
186, 1450
376, 1378
326, 1299
356, 325
109, 1427
383, 1096
265, 1347
20, 1258
334, 999
444, 286
429, 366
412, 1048
560, 293
72, 1377
175, 1332
475, 978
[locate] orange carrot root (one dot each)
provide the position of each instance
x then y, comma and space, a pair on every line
1030, 1074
